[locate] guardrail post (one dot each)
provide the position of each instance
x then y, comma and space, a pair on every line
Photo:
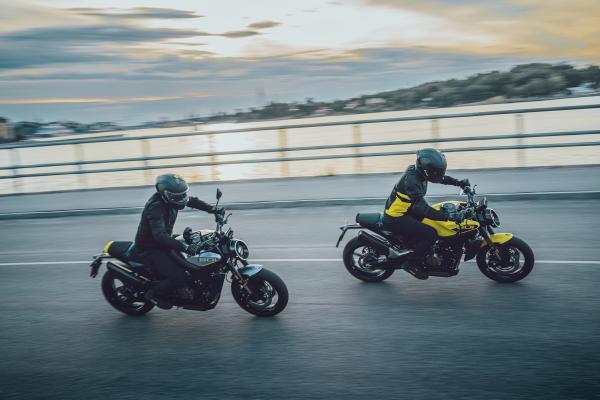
357, 139
214, 173
283, 143
435, 131
79, 157
145, 144
15, 160
520, 130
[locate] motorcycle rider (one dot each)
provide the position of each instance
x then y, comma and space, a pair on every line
154, 240
406, 207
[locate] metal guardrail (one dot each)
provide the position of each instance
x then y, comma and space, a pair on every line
306, 158
304, 148
282, 149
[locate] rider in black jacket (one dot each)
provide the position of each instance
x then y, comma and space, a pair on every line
406, 207
154, 240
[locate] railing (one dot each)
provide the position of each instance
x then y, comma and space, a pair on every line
283, 149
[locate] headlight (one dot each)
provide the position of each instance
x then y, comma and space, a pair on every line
482, 203
239, 248
491, 218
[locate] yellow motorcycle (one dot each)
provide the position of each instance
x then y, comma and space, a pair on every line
375, 253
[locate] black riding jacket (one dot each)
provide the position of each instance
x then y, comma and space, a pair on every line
407, 198
156, 225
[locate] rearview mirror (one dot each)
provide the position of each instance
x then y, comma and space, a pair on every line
219, 193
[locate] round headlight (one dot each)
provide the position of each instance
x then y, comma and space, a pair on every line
239, 248
491, 217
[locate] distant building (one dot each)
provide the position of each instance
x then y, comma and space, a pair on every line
351, 105
53, 129
583, 90
7, 133
375, 101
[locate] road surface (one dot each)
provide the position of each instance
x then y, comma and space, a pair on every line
444, 338
506, 181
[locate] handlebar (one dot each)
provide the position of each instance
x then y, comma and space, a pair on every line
470, 192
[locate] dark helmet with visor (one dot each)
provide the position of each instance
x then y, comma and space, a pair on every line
431, 164
173, 189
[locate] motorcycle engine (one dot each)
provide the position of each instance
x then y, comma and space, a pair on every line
433, 260
444, 256
186, 293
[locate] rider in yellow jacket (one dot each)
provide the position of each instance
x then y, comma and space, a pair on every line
406, 206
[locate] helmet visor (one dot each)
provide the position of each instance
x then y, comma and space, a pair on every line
178, 199
435, 175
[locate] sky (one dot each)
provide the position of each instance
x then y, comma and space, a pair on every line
136, 61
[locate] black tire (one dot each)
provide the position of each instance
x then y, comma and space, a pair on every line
506, 273
263, 283
375, 275
112, 294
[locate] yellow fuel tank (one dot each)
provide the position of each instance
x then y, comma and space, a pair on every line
450, 228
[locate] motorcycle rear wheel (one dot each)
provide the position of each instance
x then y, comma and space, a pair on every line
116, 293
354, 252
516, 262
269, 294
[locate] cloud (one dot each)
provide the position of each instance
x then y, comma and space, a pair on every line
142, 99
522, 28
235, 34
264, 24
135, 13
95, 43
166, 83
33, 54
112, 33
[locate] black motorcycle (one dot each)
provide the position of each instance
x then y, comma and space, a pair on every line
376, 253
256, 289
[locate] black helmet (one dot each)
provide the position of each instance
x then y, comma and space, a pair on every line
431, 164
173, 189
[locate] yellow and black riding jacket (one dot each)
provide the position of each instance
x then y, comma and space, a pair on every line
407, 198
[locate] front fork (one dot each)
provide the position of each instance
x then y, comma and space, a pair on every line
493, 249
236, 276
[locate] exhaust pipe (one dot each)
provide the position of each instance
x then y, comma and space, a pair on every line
381, 245
370, 240
126, 273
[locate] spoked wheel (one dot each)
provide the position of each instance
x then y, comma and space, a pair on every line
361, 262
269, 294
513, 261
123, 297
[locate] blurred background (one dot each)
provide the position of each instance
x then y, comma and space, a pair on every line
110, 96
304, 113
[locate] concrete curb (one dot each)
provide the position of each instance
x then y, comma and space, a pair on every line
578, 195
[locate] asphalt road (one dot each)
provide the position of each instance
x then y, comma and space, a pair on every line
464, 337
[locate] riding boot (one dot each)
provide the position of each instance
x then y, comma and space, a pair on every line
412, 266
153, 296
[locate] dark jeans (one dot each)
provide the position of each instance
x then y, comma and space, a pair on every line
164, 264
422, 236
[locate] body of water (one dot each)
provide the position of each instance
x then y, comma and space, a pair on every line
375, 132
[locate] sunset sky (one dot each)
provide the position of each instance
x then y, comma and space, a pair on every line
98, 61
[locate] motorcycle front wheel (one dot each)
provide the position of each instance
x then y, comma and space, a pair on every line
122, 297
269, 294
513, 262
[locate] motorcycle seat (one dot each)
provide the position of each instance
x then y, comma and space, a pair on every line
120, 250
370, 220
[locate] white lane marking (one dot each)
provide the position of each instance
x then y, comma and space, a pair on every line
96, 250
44, 263
586, 262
